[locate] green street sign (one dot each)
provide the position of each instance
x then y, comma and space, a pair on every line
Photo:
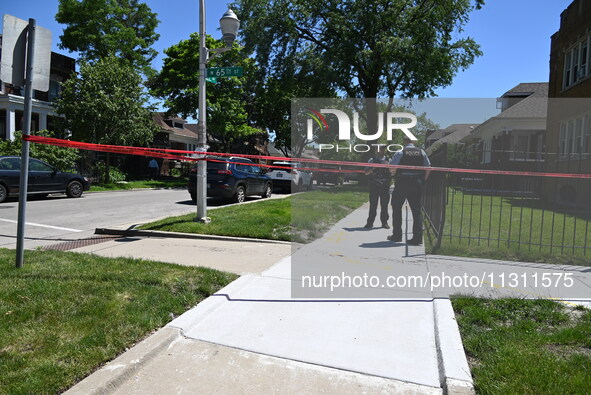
213, 80
224, 72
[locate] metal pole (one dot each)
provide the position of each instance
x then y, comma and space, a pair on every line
202, 126
24, 180
406, 231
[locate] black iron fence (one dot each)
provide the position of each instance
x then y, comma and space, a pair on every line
513, 213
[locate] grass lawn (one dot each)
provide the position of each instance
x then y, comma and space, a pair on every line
180, 183
65, 314
517, 346
300, 218
503, 223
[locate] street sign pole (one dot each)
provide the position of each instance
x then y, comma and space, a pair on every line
201, 192
24, 180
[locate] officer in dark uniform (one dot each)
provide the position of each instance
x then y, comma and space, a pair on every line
379, 189
408, 185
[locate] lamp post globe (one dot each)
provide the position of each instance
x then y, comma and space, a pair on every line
229, 24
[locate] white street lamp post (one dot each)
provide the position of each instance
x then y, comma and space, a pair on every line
229, 24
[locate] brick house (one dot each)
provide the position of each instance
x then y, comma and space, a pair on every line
568, 146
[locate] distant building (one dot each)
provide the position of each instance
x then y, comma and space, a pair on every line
568, 146
43, 115
175, 133
514, 139
450, 135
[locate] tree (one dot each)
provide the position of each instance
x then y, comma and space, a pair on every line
105, 104
62, 158
272, 105
229, 101
370, 49
101, 28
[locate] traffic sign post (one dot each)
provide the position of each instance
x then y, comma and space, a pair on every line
224, 72
25, 40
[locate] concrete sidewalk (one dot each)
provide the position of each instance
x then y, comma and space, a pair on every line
253, 336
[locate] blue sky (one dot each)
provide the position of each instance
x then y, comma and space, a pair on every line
514, 36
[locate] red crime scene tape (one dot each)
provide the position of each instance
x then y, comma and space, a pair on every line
182, 155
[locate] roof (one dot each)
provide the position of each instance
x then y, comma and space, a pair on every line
456, 128
529, 88
187, 131
458, 132
534, 105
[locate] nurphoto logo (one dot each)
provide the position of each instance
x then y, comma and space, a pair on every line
390, 119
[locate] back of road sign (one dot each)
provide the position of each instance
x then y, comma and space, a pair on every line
14, 47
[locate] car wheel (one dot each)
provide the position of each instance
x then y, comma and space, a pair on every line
239, 195
74, 189
268, 192
300, 186
193, 197
3, 193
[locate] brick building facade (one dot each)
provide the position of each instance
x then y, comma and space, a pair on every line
568, 141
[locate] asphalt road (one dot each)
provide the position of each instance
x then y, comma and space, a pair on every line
57, 219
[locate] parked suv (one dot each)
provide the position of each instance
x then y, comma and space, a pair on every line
289, 176
232, 178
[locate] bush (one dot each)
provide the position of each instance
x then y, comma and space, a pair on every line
63, 159
115, 175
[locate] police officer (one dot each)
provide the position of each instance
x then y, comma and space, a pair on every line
379, 179
408, 186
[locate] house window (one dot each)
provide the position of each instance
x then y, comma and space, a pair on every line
586, 132
567, 70
570, 137
584, 57
562, 139
575, 74
579, 136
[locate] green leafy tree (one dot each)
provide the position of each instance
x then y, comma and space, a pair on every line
100, 28
62, 158
370, 49
229, 101
105, 103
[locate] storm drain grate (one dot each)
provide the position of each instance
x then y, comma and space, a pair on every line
70, 245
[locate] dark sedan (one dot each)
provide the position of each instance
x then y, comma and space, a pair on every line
43, 179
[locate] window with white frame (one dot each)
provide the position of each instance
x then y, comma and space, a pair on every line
586, 132
575, 59
567, 69
574, 135
562, 139
578, 148
570, 139
576, 62
584, 58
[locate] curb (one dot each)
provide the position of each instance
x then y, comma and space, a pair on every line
178, 235
454, 372
112, 375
